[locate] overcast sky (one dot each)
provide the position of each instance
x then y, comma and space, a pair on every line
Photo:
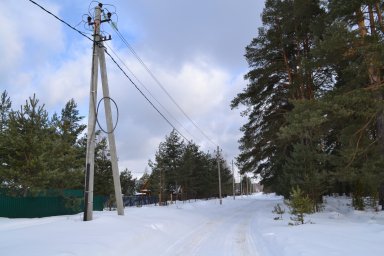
194, 48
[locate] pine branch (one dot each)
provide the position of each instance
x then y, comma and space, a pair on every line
360, 132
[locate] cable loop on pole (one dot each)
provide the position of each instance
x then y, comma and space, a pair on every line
97, 115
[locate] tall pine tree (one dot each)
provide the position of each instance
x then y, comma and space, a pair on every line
315, 97
281, 71
166, 168
28, 140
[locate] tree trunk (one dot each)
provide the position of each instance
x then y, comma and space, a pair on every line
361, 23
379, 17
381, 196
371, 20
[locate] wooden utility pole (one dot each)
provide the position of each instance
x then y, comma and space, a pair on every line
99, 56
218, 170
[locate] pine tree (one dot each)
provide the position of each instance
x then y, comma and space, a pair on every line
299, 204
186, 166
204, 176
68, 160
226, 176
281, 71
308, 163
353, 48
39, 153
5, 108
315, 99
28, 139
166, 168
103, 179
127, 183
192, 162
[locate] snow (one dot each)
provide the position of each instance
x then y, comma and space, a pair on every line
244, 226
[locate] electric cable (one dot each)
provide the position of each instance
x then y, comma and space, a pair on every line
149, 92
141, 92
158, 82
97, 115
80, 32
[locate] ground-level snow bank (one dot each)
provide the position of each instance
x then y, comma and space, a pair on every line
244, 226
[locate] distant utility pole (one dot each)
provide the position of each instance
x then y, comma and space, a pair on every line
218, 170
241, 185
233, 181
99, 56
161, 188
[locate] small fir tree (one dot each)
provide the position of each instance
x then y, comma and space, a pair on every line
299, 204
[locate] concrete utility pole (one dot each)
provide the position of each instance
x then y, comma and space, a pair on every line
233, 181
218, 169
99, 56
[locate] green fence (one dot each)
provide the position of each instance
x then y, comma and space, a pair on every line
67, 202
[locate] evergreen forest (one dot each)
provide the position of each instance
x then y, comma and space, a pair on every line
42, 153
182, 168
314, 99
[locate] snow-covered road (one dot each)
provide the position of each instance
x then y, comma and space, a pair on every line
241, 227
191, 228
226, 231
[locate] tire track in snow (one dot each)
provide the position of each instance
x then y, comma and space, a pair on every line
265, 242
229, 233
188, 243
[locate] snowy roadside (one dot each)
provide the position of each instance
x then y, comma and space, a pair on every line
244, 226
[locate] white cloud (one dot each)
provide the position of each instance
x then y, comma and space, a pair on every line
173, 31
29, 39
70, 80
11, 46
24, 27
198, 86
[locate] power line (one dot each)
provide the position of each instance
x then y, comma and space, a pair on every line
126, 75
141, 92
142, 84
80, 32
158, 82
